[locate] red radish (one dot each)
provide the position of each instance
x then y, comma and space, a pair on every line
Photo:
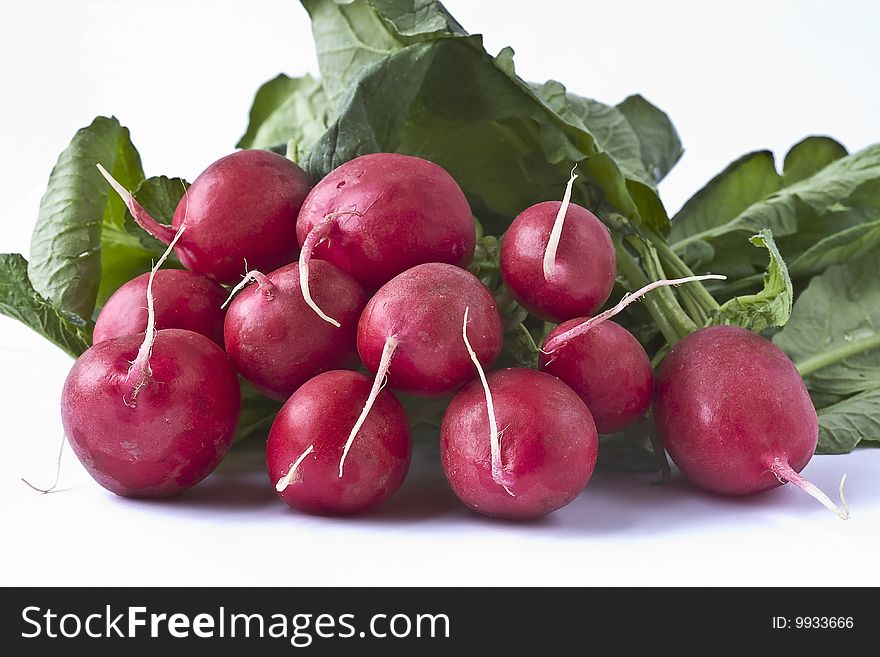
310, 433
277, 342
518, 443
183, 299
151, 416
608, 369
604, 363
241, 211
558, 260
416, 317
735, 415
378, 215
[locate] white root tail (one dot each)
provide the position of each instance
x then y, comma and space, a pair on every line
57, 472
161, 232
556, 232
318, 233
785, 474
555, 343
498, 474
263, 283
140, 366
287, 479
378, 383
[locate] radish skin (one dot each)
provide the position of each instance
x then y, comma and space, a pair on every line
735, 415
310, 432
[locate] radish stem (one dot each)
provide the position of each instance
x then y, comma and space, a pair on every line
378, 383
161, 232
785, 474
140, 366
494, 435
559, 340
556, 232
287, 479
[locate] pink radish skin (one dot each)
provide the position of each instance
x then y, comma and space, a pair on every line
423, 307
175, 433
584, 269
240, 212
316, 421
735, 415
608, 368
549, 444
390, 212
183, 299
278, 343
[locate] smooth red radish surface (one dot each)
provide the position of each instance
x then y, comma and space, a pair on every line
278, 343
608, 368
240, 213
734, 413
549, 444
388, 213
173, 434
423, 308
585, 262
183, 299
316, 422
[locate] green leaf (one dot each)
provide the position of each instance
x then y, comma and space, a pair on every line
771, 306
809, 156
127, 249
608, 126
833, 335
743, 183
159, 196
519, 349
257, 413
19, 300
78, 206
845, 246
287, 111
350, 35
843, 194
659, 142
846, 424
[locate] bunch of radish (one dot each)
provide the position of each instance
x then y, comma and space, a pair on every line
356, 287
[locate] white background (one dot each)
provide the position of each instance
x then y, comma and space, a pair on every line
181, 74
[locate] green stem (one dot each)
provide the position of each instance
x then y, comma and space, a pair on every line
672, 262
636, 279
837, 354
683, 324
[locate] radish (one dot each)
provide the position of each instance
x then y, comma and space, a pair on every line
277, 342
517, 443
310, 433
604, 363
378, 215
735, 415
608, 369
412, 325
558, 260
183, 299
151, 416
241, 211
